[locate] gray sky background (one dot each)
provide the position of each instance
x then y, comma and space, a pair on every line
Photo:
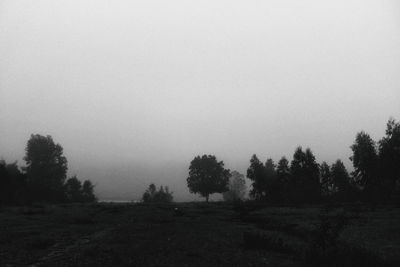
133, 90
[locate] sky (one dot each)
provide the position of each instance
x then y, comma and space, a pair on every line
134, 90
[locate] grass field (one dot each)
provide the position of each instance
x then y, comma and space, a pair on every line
199, 234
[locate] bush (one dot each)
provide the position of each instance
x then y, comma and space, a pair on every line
151, 195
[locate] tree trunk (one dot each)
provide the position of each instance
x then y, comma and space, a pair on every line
207, 198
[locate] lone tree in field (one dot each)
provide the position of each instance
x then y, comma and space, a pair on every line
46, 168
207, 176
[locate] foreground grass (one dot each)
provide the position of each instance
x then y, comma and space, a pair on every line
199, 234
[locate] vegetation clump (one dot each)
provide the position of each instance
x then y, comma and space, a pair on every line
152, 195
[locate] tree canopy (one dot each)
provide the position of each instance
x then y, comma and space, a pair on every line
305, 176
46, 168
207, 176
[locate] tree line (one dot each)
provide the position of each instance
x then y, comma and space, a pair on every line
44, 178
375, 178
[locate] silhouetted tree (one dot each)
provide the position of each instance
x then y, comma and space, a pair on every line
236, 187
283, 176
207, 176
365, 162
389, 156
255, 173
340, 179
46, 168
73, 190
305, 176
88, 191
4, 183
13, 188
312, 169
325, 179
160, 196
148, 195
271, 180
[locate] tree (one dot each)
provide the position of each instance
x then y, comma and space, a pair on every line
88, 191
207, 176
282, 170
305, 176
4, 183
271, 180
340, 179
73, 190
160, 196
283, 176
236, 188
389, 156
46, 168
325, 179
255, 173
365, 162
148, 195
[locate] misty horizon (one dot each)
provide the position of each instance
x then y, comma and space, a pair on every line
134, 91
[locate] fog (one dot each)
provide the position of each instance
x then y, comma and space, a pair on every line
134, 90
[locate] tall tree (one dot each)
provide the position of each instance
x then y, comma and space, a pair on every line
46, 168
312, 171
271, 180
365, 162
255, 173
305, 176
340, 178
207, 176
325, 179
283, 176
389, 156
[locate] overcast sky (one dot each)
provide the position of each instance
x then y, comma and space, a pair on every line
133, 90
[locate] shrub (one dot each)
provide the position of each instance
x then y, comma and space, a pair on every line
160, 196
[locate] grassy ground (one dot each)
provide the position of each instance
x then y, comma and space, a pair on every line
198, 234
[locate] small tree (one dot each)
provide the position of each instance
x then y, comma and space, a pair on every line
12, 184
236, 188
73, 190
325, 179
389, 156
160, 196
88, 191
207, 176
